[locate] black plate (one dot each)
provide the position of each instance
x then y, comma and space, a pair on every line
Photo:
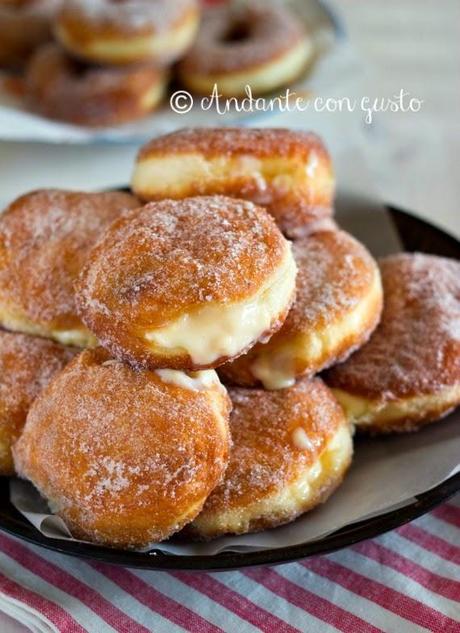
415, 235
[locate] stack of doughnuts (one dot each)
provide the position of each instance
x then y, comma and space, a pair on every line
105, 62
110, 61
205, 305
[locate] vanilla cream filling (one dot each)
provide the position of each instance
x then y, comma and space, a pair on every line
366, 412
263, 78
293, 498
221, 330
78, 337
194, 381
278, 366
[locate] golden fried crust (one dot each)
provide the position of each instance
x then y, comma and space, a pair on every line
288, 172
27, 364
415, 351
174, 258
278, 437
44, 240
83, 25
338, 305
125, 458
24, 25
266, 33
60, 88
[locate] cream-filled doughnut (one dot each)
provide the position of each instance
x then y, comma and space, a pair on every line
45, 237
290, 451
338, 305
254, 44
58, 87
187, 284
289, 172
125, 457
408, 374
131, 31
27, 364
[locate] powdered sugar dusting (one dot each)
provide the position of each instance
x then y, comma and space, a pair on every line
127, 16
113, 448
27, 364
416, 348
44, 240
230, 141
335, 273
172, 255
264, 458
270, 31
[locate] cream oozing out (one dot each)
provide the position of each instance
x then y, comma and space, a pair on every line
278, 367
221, 331
288, 500
195, 381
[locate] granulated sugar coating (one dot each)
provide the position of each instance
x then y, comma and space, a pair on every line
172, 258
45, 237
27, 364
416, 348
128, 17
269, 31
278, 466
124, 457
338, 305
334, 273
289, 172
264, 143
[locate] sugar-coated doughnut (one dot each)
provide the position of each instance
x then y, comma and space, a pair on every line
27, 364
261, 46
131, 31
44, 240
187, 284
288, 172
24, 26
408, 374
338, 305
58, 87
290, 451
125, 457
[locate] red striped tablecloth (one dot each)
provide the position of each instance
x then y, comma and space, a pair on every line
405, 581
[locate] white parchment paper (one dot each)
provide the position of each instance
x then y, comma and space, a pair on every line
386, 473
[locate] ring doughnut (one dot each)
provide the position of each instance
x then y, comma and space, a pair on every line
337, 307
132, 31
408, 374
27, 364
264, 47
44, 240
58, 87
290, 451
187, 284
288, 172
24, 26
125, 457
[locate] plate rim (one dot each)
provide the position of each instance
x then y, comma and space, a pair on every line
344, 537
